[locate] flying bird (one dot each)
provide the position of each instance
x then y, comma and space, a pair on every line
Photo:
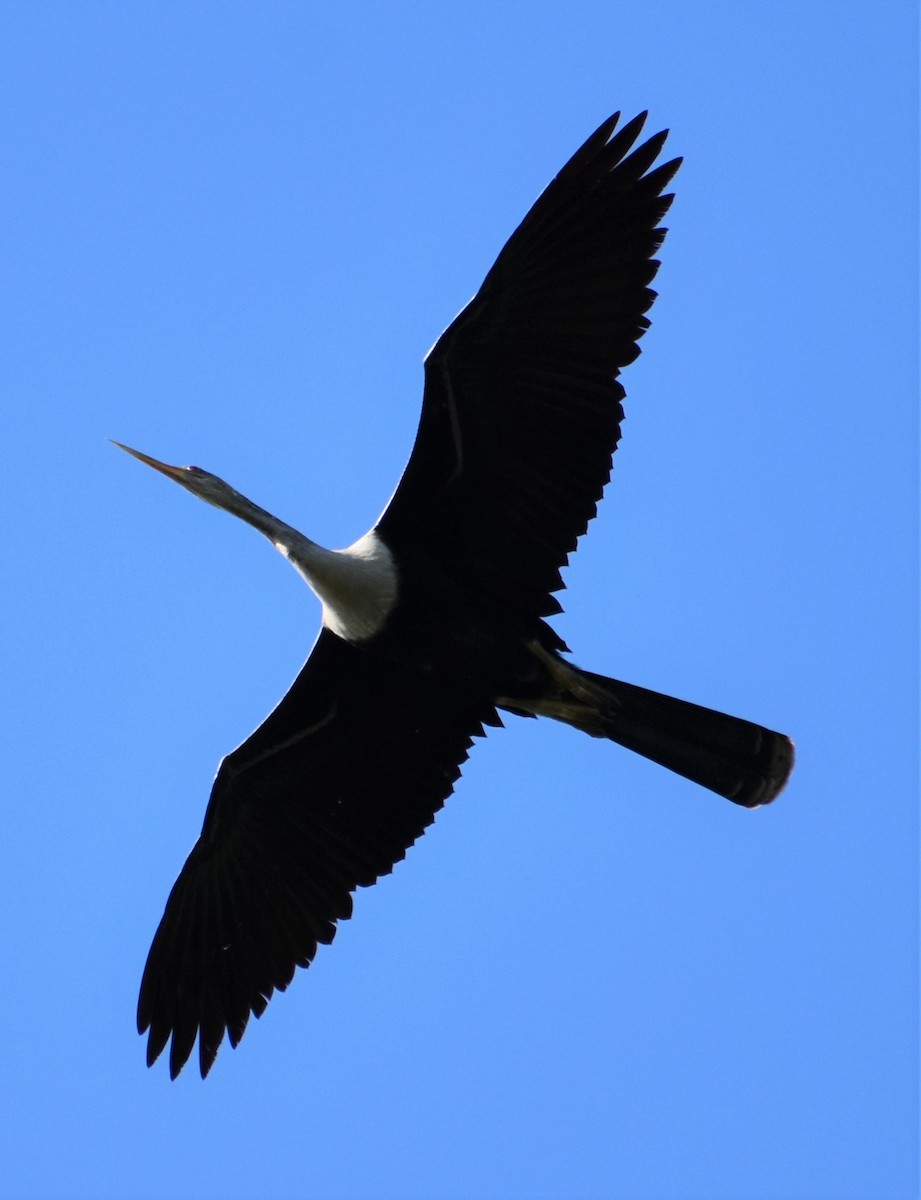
436, 618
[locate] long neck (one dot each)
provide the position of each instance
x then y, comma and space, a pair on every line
357, 586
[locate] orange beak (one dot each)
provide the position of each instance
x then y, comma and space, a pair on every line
176, 473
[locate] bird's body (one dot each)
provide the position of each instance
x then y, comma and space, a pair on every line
436, 618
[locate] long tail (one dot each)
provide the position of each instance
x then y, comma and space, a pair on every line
744, 762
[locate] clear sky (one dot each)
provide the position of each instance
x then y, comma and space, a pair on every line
230, 232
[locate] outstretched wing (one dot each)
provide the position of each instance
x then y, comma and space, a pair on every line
520, 417
521, 412
325, 796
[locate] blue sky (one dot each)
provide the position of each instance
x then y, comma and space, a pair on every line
230, 232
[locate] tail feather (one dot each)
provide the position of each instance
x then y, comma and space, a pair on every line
738, 759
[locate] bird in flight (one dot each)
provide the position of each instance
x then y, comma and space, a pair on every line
436, 618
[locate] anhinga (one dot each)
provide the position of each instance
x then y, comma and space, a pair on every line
435, 618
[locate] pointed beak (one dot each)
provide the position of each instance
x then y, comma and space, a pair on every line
177, 473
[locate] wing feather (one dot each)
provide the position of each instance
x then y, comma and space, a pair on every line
521, 411
293, 826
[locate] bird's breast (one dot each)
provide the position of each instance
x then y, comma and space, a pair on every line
357, 586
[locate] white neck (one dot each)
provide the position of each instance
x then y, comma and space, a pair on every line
356, 586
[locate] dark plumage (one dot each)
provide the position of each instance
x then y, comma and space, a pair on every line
435, 618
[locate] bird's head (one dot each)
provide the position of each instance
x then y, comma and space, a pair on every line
200, 483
